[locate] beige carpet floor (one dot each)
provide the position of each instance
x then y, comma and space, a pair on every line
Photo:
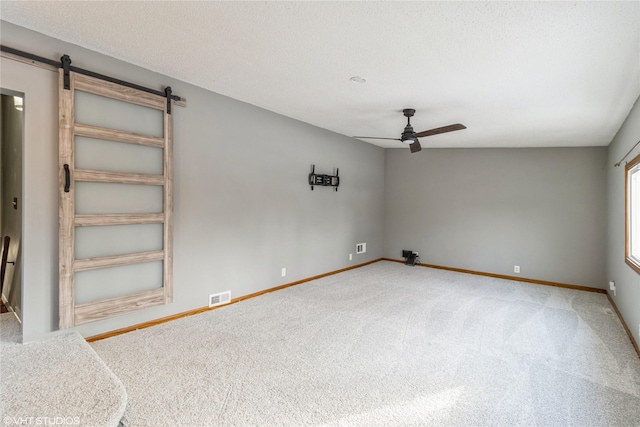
58, 381
386, 345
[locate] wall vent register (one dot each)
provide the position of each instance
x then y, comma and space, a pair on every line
219, 299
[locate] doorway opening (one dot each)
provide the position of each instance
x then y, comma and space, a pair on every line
11, 200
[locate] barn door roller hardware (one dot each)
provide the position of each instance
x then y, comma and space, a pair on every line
65, 64
167, 93
323, 179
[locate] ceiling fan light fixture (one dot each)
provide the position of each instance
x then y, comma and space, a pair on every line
408, 138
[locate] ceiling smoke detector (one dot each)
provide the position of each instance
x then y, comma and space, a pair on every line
358, 79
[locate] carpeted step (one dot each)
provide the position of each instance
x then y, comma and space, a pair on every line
60, 380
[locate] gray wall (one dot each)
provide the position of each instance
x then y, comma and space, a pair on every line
627, 280
243, 209
11, 219
490, 209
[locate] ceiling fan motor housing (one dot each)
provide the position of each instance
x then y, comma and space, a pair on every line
408, 135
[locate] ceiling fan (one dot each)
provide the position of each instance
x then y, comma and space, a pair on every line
410, 138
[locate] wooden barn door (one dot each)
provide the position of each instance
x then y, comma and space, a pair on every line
115, 205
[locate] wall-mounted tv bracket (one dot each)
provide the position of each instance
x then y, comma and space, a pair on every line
323, 180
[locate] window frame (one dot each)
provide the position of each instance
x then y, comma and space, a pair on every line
631, 261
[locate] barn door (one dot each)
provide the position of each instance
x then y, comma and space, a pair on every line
115, 178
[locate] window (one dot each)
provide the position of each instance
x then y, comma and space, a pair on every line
632, 213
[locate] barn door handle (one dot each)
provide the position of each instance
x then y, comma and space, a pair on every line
67, 178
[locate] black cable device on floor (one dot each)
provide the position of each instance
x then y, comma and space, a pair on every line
412, 258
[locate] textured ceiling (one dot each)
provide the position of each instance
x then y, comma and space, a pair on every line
515, 73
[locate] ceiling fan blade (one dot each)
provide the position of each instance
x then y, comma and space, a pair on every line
376, 137
415, 147
443, 129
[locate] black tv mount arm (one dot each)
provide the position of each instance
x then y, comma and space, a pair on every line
323, 179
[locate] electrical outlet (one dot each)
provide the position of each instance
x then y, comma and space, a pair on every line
612, 285
361, 248
516, 269
350, 257
284, 271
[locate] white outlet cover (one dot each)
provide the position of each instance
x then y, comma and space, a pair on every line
361, 248
284, 271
